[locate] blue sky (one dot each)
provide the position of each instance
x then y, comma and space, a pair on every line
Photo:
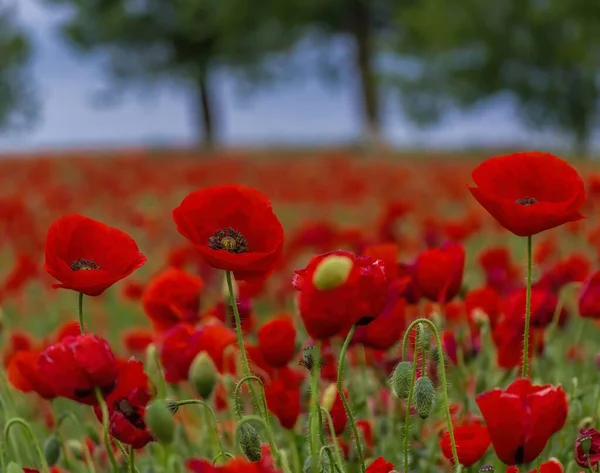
299, 113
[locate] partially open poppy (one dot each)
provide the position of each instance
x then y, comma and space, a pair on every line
88, 256
439, 272
234, 228
472, 441
529, 192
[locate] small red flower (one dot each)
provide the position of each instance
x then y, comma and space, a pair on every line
88, 256
589, 297
358, 300
439, 272
76, 366
529, 192
472, 441
127, 405
380, 465
522, 418
172, 297
277, 341
234, 228
137, 340
592, 456
385, 331
283, 397
551, 466
500, 271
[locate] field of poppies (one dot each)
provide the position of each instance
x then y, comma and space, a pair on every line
322, 314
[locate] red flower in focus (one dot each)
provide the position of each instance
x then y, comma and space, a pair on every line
88, 256
439, 272
127, 406
472, 441
357, 300
522, 418
529, 192
234, 228
76, 366
277, 341
592, 456
24, 374
380, 465
172, 297
589, 297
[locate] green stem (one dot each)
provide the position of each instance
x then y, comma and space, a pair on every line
325, 412
131, 462
340, 386
410, 398
33, 441
297, 467
525, 368
313, 435
80, 312
443, 379
105, 427
213, 418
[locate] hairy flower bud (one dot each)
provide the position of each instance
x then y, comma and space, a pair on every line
401, 379
424, 396
203, 375
250, 442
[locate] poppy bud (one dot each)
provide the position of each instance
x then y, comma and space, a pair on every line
332, 272
401, 379
14, 468
487, 469
160, 422
250, 442
51, 450
329, 396
92, 433
203, 375
424, 396
76, 448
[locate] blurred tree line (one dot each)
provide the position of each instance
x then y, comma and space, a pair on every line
437, 54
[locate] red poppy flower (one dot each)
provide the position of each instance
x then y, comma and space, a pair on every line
17, 341
234, 228
337, 411
277, 341
283, 397
575, 268
385, 331
522, 418
472, 441
589, 297
75, 366
357, 300
88, 256
127, 406
439, 272
172, 297
592, 456
380, 465
551, 466
25, 376
529, 192
485, 299
500, 271
137, 340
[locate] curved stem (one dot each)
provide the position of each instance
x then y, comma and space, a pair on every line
336, 448
314, 405
222, 455
525, 368
334, 465
215, 423
237, 404
409, 401
105, 428
32, 439
340, 386
443, 379
80, 313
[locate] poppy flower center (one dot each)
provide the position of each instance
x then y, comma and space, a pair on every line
130, 413
83, 264
229, 240
526, 201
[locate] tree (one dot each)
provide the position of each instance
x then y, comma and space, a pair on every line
17, 105
180, 40
544, 53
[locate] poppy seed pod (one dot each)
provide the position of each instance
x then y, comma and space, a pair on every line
51, 450
160, 422
250, 442
424, 397
401, 379
332, 272
203, 375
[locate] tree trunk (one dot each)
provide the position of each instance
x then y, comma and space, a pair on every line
205, 113
360, 28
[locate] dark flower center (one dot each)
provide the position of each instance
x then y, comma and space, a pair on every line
520, 454
130, 413
83, 264
526, 201
228, 239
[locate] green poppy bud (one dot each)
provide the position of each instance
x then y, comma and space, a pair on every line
160, 422
250, 442
401, 379
92, 433
332, 272
203, 375
14, 468
76, 449
51, 450
424, 396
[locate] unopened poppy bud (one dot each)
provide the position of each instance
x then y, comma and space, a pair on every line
424, 396
250, 442
203, 374
51, 450
14, 468
487, 469
329, 396
401, 379
76, 448
332, 272
92, 433
160, 422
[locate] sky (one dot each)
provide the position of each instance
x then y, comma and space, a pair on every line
301, 113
